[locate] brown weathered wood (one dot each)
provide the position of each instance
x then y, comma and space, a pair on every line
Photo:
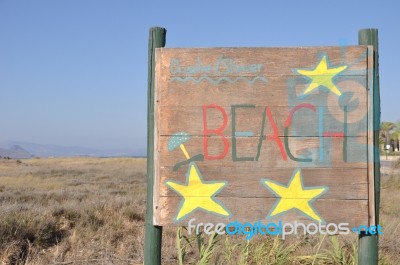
270, 156
355, 212
276, 61
352, 186
332, 132
373, 217
250, 119
270, 93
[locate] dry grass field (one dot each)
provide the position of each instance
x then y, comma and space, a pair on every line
92, 210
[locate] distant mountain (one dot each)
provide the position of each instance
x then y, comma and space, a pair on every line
41, 150
15, 152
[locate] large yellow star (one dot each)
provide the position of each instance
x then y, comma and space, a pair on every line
322, 76
198, 194
294, 196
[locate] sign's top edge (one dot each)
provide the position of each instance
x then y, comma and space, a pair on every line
267, 47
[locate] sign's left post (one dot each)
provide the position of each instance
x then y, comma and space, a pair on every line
153, 236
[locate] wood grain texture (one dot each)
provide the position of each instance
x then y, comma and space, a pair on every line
249, 119
275, 92
270, 155
373, 151
251, 115
355, 212
352, 186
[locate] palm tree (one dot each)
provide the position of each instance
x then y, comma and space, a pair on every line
396, 138
396, 135
386, 130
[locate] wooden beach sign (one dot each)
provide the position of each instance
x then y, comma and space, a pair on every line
270, 134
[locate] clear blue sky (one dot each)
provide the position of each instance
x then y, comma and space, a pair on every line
74, 72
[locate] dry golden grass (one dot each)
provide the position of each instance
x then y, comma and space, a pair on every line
80, 210
389, 242
92, 210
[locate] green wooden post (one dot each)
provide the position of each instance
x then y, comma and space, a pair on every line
368, 244
153, 236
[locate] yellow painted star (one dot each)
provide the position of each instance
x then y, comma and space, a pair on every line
294, 196
198, 194
322, 76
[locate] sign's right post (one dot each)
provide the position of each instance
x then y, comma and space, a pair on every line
368, 244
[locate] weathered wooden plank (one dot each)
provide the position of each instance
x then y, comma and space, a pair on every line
373, 140
266, 119
349, 184
279, 91
251, 210
323, 152
252, 61
330, 176
234, 189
